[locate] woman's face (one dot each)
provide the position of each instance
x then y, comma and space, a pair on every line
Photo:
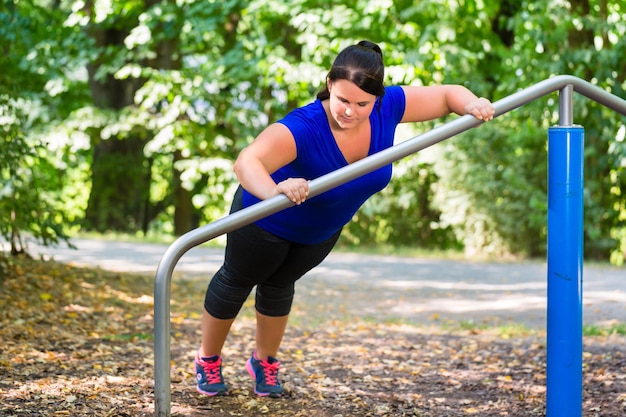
349, 105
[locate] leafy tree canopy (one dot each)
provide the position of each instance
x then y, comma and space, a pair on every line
127, 115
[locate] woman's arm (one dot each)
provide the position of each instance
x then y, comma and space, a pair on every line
274, 148
433, 102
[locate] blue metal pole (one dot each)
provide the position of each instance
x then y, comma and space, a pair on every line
565, 272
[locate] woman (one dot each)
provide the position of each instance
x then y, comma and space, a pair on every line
354, 116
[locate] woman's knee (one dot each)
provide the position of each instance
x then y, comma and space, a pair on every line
225, 295
274, 301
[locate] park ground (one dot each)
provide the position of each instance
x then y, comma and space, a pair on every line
78, 341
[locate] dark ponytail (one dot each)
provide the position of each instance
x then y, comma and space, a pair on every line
361, 64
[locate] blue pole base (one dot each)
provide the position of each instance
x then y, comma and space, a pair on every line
565, 272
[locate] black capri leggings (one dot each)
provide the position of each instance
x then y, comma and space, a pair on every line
257, 257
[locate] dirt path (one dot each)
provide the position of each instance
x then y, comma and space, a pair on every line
392, 288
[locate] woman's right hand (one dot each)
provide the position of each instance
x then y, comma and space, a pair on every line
296, 189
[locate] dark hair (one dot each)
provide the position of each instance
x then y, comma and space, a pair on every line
363, 65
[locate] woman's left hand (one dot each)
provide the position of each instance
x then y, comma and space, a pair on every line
481, 108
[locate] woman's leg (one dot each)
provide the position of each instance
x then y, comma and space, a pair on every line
251, 256
274, 296
269, 335
214, 333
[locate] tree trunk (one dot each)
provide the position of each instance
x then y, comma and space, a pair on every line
119, 179
183, 207
119, 186
121, 175
168, 57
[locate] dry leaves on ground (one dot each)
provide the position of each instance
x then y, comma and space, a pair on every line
78, 342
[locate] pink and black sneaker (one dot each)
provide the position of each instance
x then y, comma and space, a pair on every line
265, 375
209, 375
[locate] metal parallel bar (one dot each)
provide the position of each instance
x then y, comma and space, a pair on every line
564, 346
557, 83
165, 269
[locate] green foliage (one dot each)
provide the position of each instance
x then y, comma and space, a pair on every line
188, 83
503, 174
496, 191
403, 213
31, 203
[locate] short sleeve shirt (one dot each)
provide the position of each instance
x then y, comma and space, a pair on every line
320, 217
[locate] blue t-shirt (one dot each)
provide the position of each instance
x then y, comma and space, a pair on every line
320, 217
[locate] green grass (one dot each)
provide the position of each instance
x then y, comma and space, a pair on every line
514, 330
593, 330
130, 337
403, 251
504, 331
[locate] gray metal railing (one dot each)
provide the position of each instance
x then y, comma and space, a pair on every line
162, 289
